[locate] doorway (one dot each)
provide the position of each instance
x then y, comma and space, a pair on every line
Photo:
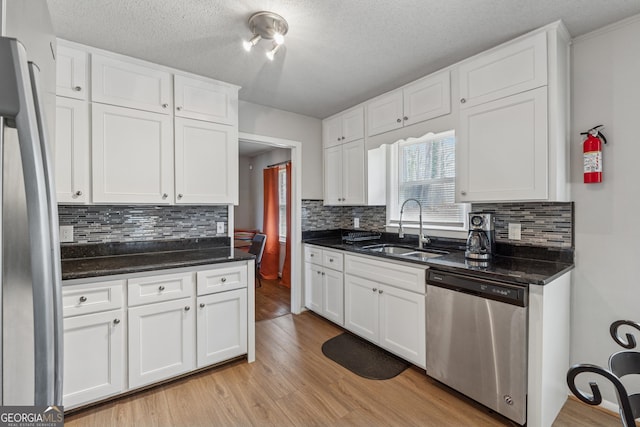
257, 152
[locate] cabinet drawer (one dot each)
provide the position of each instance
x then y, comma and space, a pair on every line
92, 298
389, 273
332, 260
146, 290
313, 254
221, 279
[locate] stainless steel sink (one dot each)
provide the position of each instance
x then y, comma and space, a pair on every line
405, 251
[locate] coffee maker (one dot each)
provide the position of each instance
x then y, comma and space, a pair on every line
481, 242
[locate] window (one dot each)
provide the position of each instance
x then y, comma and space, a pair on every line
282, 201
424, 169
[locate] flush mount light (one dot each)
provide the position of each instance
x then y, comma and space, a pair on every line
268, 26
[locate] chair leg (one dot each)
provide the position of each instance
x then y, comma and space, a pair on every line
258, 280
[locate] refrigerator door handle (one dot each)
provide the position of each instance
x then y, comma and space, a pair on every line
52, 204
17, 85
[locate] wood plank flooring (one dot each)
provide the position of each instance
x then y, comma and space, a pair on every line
293, 384
272, 300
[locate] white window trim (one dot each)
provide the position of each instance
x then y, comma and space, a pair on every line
412, 227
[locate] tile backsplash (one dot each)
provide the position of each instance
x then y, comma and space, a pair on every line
315, 216
102, 224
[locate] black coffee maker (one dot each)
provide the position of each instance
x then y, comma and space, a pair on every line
481, 242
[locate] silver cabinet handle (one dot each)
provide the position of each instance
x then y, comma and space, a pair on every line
77, 88
375, 289
116, 321
317, 272
201, 305
161, 288
462, 101
343, 138
224, 279
380, 291
399, 120
83, 299
330, 259
338, 139
165, 105
311, 255
165, 195
78, 193
405, 118
464, 193
179, 196
179, 108
187, 308
323, 273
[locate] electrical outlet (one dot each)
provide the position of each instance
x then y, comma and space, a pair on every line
515, 231
66, 233
356, 222
219, 227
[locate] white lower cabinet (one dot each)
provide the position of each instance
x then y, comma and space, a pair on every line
324, 285
94, 357
161, 341
222, 326
361, 307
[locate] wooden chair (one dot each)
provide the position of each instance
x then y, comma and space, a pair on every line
257, 248
621, 364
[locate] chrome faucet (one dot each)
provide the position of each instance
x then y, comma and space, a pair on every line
421, 237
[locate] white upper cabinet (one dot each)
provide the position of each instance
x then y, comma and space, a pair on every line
344, 174
132, 156
71, 73
205, 100
71, 150
421, 100
206, 162
346, 127
128, 84
514, 68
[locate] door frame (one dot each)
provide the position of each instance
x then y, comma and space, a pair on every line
296, 210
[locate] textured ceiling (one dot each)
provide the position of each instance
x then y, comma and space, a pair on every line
337, 53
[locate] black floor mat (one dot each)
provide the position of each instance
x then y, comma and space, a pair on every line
363, 358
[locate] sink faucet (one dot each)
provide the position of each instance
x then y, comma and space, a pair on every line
421, 237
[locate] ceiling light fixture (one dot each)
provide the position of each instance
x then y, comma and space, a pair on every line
267, 26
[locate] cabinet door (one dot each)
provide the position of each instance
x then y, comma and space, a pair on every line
313, 287
353, 186
333, 175
94, 355
71, 149
206, 167
71, 73
361, 307
502, 149
222, 326
129, 84
333, 296
353, 125
161, 341
402, 323
385, 113
332, 132
505, 71
427, 98
132, 156
205, 100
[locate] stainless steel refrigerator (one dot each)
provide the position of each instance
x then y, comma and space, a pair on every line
31, 321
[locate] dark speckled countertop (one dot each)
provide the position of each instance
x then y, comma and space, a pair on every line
514, 264
91, 260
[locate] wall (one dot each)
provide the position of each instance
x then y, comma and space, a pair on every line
260, 120
98, 224
243, 216
605, 90
256, 180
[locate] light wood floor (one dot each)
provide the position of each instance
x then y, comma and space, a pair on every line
293, 384
272, 300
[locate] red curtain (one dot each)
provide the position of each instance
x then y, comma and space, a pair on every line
286, 268
271, 255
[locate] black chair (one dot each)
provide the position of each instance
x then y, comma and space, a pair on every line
257, 248
621, 364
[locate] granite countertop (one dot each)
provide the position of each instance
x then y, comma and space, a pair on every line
92, 260
514, 264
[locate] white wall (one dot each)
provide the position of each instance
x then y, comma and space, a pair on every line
261, 120
606, 284
243, 216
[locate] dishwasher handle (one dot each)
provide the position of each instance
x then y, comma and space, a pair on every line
483, 288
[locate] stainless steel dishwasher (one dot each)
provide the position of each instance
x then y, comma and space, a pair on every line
477, 340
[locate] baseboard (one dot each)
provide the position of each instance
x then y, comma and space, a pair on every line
606, 406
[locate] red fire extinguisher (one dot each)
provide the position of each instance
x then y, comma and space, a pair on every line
592, 152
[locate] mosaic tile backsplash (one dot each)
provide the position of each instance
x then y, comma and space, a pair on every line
315, 216
102, 224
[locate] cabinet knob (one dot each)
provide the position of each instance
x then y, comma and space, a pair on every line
323, 273
83, 299
330, 259
462, 101
375, 289
179, 108
77, 88
317, 272
311, 255
161, 288
165, 105
187, 308
464, 193
116, 321
201, 305
338, 139
78, 193
179, 196
405, 118
380, 291
165, 195
224, 279
399, 120
342, 138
